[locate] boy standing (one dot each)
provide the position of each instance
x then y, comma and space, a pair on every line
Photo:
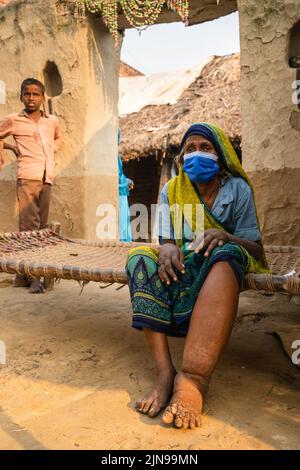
37, 137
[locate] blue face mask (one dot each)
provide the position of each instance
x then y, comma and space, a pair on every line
200, 167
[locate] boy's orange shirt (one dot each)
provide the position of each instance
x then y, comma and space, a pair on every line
36, 143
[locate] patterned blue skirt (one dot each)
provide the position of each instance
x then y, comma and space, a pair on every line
168, 309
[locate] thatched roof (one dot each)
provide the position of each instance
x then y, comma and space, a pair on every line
213, 97
128, 71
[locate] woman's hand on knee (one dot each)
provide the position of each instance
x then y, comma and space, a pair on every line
170, 258
212, 238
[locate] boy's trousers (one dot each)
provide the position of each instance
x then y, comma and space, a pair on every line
34, 202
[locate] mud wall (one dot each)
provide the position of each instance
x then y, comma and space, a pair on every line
270, 130
40, 42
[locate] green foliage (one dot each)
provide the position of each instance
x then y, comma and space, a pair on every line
139, 13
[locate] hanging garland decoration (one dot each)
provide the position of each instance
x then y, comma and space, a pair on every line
140, 14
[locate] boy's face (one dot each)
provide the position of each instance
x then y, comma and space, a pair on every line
32, 98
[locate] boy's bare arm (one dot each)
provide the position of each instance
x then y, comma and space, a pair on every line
58, 141
13, 148
6, 129
2, 154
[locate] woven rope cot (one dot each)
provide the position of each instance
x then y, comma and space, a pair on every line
46, 253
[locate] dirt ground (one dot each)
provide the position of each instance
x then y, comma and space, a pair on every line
75, 368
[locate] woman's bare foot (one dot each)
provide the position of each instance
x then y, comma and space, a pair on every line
36, 287
158, 397
187, 401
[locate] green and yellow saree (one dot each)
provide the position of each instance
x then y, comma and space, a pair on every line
168, 309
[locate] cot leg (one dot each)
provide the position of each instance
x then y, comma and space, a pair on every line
49, 281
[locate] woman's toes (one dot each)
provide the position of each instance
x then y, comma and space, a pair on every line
137, 405
168, 416
186, 422
140, 406
154, 410
192, 422
198, 421
157, 398
178, 422
146, 406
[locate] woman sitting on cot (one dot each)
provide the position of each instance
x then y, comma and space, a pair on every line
209, 237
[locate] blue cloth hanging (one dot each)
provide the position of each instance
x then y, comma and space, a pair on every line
124, 211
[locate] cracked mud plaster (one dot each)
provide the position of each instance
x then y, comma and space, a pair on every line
270, 120
269, 19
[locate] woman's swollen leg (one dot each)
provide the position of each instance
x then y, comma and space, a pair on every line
210, 327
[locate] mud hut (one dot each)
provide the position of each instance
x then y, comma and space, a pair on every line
150, 138
85, 56
79, 63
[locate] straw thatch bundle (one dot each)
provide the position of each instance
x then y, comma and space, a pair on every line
213, 97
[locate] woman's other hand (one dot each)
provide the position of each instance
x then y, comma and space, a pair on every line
211, 238
170, 258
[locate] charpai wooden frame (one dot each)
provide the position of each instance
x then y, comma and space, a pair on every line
47, 253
